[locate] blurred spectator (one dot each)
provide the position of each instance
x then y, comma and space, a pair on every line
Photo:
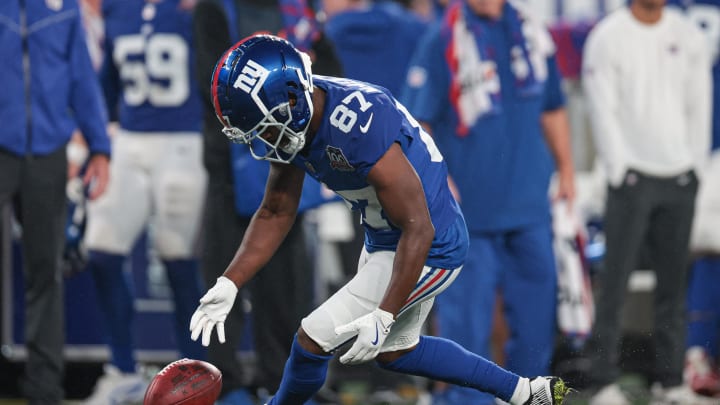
701, 358
49, 89
374, 39
486, 83
646, 72
235, 190
157, 178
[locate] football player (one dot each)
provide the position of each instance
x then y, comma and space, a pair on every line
359, 141
156, 173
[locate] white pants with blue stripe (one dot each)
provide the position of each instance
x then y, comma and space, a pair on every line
362, 294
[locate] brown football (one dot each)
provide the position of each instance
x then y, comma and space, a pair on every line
186, 382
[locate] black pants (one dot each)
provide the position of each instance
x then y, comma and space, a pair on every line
281, 293
659, 212
36, 186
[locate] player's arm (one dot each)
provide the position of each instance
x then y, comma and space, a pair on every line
556, 128
270, 224
402, 197
267, 229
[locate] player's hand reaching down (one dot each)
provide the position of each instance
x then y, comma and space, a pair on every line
214, 308
371, 330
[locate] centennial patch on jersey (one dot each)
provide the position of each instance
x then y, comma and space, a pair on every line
338, 161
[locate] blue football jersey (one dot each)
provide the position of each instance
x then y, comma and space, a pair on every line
147, 73
359, 124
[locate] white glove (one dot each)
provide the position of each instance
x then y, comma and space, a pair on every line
213, 309
371, 330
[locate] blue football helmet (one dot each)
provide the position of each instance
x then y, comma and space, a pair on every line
262, 90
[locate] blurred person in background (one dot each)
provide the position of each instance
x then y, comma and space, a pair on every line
157, 178
703, 339
283, 293
49, 89
647, 78
373, 39
484, 81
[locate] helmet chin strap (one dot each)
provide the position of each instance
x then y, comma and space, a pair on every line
294, 144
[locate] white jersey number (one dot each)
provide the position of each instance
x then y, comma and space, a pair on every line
343, 117
162, 79
365, 200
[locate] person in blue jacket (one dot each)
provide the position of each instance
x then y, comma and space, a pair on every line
485, 81
374, 40
49, 90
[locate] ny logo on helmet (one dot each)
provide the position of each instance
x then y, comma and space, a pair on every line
252, 75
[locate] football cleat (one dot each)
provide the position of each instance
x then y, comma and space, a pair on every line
700, 372
547, 391
678, 395
115, 387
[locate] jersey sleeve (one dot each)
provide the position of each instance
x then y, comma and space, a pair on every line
554, 97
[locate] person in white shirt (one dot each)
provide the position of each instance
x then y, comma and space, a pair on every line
647, 78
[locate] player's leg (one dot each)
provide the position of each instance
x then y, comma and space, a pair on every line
444, 360
306, 368
669, 237
41, 212
464, 312
625, 224
114, 222
703, 334
441, 359
529, 286
304, 374
179, 183
704, 305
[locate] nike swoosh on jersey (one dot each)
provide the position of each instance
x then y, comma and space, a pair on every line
374, 342
364, 128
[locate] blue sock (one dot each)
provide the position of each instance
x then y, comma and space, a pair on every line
704, 305
112, 287
444, 360
184, 280
304, 375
